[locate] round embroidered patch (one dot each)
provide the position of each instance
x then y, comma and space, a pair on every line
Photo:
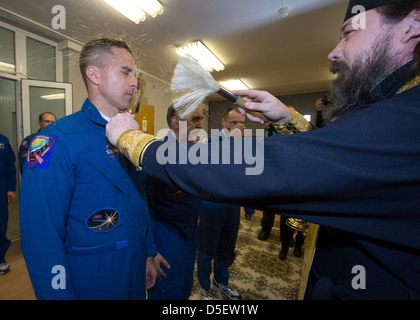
39, 154
103, 220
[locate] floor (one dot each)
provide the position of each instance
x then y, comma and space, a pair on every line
16, 285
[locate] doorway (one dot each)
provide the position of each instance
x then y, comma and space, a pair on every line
21, 102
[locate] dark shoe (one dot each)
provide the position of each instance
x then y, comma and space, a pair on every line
263, 235
297, 252
283, 254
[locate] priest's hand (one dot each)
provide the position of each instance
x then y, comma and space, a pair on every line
271, 107
120, 124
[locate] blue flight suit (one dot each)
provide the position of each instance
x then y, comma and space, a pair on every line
84, 224
175, 216
358, 177
219, 225
7, 183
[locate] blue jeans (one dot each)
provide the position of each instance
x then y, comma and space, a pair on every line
219, 224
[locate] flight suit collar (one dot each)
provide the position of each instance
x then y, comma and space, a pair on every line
92, 113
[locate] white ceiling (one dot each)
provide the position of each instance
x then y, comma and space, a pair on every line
267, 53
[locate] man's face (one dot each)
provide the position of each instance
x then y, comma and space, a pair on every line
118, 79
46, 120
234, 120
356, 42
194, 121
362, 59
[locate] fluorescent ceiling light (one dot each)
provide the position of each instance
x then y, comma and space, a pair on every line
57, 96
129, 9
236, 84
307, 117
152, 7
200, 52
7, 67
135, 10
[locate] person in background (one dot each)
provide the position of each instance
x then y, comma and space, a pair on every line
267, 221
358, 177
320, 104
84, 224
175, 223
7, 196
45, 119
219, 225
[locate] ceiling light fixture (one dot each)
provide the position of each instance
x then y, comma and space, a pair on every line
135, 10
200, 52
236, 84
7, 67
55, 96
283, 11
152, 7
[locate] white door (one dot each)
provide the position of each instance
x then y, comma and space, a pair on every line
42, 96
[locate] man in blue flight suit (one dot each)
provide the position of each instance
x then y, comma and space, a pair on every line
358, 177
219, 225
175, 221
45, 119
84, 224
7, 196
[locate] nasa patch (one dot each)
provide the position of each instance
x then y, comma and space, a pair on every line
40, 151
111, 151
103, 220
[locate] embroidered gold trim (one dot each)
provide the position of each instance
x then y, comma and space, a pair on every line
296, 123
410, 84
133, 143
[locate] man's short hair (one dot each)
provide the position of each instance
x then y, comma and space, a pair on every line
94, 50
228, 110
44, 113
170, 114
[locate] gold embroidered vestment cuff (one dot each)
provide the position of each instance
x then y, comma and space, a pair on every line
296, 123
133, 143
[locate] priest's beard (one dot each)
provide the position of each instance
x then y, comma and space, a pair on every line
358, 85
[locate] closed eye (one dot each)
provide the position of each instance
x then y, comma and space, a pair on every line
126, 70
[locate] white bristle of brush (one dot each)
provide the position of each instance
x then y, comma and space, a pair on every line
197, 83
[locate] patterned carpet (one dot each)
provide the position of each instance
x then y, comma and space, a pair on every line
258, 273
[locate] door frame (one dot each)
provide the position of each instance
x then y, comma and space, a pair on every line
26, 108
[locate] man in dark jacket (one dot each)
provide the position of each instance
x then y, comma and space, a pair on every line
7, 196
358, 177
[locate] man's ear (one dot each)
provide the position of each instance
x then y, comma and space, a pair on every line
412, 30
93, 74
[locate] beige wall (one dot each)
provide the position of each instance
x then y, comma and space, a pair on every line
157, 91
